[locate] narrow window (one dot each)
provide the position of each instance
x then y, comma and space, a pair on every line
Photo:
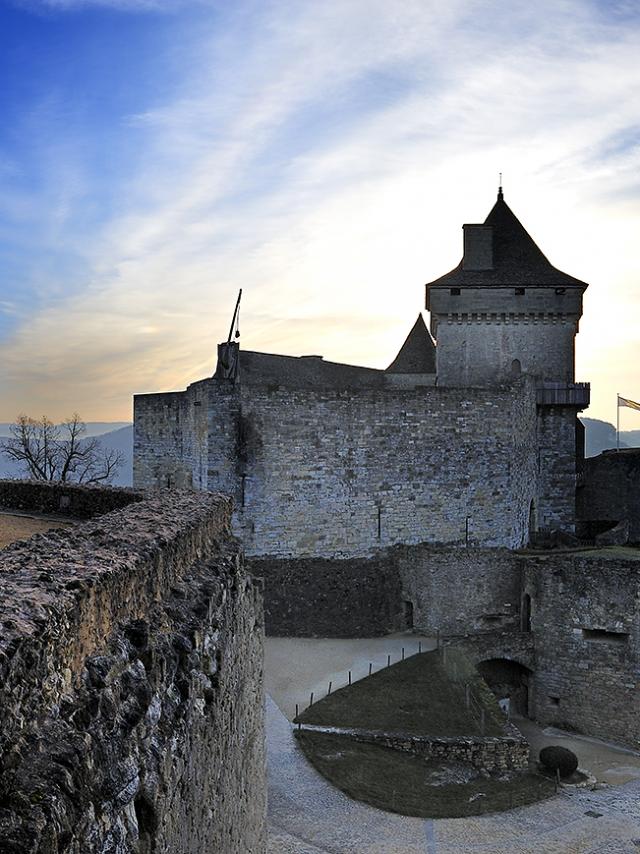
519, 292
455, 292
408, 614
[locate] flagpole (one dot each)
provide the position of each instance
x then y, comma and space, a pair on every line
617, 421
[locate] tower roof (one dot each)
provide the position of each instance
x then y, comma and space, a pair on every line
418, 353
516, 259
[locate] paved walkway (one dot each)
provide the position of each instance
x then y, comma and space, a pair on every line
309, 816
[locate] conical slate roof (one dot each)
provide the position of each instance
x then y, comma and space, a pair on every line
517, 260
418, 353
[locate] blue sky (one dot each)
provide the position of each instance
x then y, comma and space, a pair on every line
156, 155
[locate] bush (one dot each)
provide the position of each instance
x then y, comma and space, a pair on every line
559, 759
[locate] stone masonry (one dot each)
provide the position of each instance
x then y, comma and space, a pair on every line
131, 706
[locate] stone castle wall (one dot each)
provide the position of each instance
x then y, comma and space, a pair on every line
611, 492
479, 349
345, 474
460, 591
556, 508
330, 473
131, 713
585, 618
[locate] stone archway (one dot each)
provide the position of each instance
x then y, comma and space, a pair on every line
506, 677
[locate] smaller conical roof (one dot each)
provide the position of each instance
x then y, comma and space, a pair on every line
418, 353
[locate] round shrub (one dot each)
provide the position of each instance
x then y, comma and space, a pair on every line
556, 758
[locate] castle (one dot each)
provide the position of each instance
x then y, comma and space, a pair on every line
474, 439
378, 500
131, 646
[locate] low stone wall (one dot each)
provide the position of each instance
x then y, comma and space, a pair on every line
493, 754
131, 707
313, 597
64, 499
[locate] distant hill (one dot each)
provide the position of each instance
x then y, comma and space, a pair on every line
601, 436
94, 428
120, 439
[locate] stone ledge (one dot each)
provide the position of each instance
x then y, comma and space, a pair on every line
488, 753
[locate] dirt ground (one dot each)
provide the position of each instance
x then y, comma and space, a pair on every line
15, 527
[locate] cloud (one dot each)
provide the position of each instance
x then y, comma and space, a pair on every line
332, 233
164, 6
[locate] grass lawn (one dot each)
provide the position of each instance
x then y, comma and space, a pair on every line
398, 782
415, 696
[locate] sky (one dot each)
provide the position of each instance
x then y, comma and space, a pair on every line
158, 155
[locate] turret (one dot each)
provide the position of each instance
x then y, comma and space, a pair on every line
504, 310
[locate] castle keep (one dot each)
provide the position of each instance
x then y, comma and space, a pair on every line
469, 440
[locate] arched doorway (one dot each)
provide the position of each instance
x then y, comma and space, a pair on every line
505, 677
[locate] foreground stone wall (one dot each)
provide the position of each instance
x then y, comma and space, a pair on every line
131, 714
585, 618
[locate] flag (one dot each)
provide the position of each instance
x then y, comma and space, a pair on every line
622, 401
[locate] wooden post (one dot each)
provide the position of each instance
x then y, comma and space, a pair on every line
311, 701
297, 713
349, 677
403, 653
370, 666
388, 660
329, 691
419, 646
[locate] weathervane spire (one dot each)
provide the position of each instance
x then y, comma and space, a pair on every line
500, 196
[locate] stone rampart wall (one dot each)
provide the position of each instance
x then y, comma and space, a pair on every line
64, 499
131, 714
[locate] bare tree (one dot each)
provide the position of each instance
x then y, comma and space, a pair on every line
61, 452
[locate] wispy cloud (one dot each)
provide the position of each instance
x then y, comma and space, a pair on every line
414, 108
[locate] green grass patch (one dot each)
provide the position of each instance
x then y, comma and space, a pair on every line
402, 783
415, 696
